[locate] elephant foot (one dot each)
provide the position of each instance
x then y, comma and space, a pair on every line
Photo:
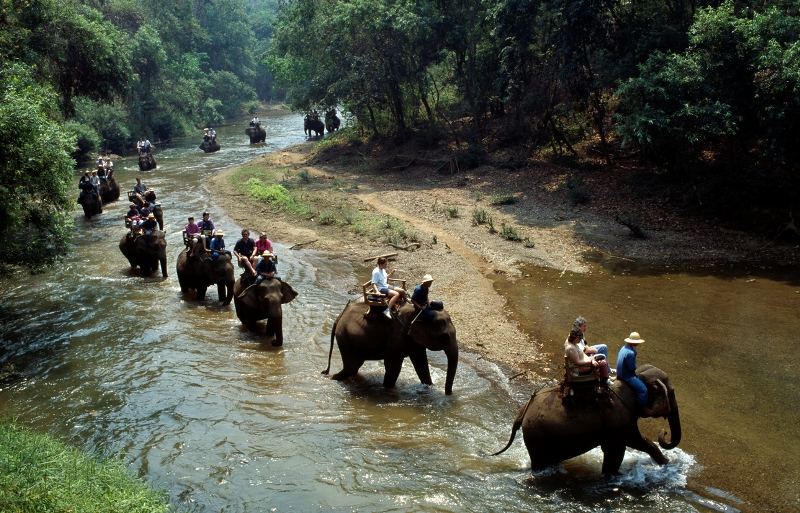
277, 343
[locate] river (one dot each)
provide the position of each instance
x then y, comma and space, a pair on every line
115, 362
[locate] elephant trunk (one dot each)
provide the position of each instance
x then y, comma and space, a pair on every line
229, 291
674, 426
452, 365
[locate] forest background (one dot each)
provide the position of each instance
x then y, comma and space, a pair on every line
701, 96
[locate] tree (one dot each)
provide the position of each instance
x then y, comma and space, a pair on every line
36, 173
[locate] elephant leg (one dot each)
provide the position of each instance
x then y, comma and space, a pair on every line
201, 292
163, 267
419, 357
393, 365
221, 291
275, 325
639, 443
613, 455
351, 362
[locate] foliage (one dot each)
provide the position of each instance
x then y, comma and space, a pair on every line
87, 140
35, 175
42, 474
508, 232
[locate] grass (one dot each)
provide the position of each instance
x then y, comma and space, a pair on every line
39, 473
501, 198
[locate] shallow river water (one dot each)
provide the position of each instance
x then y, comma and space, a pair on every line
112, 361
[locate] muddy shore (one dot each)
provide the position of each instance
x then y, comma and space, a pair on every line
461, 255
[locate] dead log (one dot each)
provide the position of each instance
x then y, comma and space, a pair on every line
380, 256
405, 248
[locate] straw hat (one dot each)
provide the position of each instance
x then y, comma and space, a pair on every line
634, 339
266, 254
427, 278
151, 216
220, 234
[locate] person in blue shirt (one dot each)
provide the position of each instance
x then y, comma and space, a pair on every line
149, 225
245, 252
626, 370
420, 299
266, 268
217, 246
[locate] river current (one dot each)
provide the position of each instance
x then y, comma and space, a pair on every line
115, 362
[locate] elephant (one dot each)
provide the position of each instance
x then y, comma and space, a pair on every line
92, 205
362, 336
210, 146
332, 121
555, 430
199, 272
257, 134
147, 162
150, 196
316, 125
109, 190
263, 301
146, 251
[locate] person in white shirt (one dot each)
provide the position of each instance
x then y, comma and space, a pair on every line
380, 285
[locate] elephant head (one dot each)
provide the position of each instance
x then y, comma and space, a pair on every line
109, 190
438, 334
220, 272
146, 251
255, 302
92, 205
657, 383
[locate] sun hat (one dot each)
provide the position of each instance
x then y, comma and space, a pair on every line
263, 235
634, 339
427, 278
150, 216
266, 254
220, 234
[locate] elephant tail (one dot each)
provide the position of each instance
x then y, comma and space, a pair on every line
333, 337
515, 427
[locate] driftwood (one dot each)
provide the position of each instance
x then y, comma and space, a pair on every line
380, 256
405, 248
303, 244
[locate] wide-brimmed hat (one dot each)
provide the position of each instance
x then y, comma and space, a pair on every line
262, 234
634, 339
266, 254
427, 278
151, 216
220, 234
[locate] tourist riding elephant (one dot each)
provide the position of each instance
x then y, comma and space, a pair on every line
361, 336
555, 429
109, 190
146, 251
147, 162
263, 301
150, 196
92, 205
256, 133
210, 146
316, 125
199, 272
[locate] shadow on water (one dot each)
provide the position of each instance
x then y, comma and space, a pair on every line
725, 334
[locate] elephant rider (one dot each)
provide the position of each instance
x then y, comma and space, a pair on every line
99, 162
266, 268
140, 146
109, 168
212, 133
132, 218
255, 122
206, 135
245, 252
145, 211
149, 225
147, 146
86, 178
191, 235
140, 189
263, 244
422, 306
381, 286
217, 246
585, 363
626, 371
207, 229
582, 324
101, 172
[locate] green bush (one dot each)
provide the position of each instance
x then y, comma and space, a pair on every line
499, 198
326, 218
452, 212
88, 141
480, 216
508, 232
274, 194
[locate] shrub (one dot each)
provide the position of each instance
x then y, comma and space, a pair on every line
480, 216
578, 193
632, 222
304, 176
502, 199
473, 156
508, 232
88, 140
274, 194
326, 218
452, 212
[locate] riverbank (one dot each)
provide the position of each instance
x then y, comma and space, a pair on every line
464, 229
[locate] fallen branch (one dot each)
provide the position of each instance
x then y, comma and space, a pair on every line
303, 244
405, 248
516, 375
380, 256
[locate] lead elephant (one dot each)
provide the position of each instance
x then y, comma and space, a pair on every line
315, 125
256, 134
263, 301
199, 272
146, 251
362, 337
210, 146
555, 430
92, 205
147, 162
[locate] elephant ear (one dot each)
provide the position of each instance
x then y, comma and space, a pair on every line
287, 293
436, 334
250, 297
